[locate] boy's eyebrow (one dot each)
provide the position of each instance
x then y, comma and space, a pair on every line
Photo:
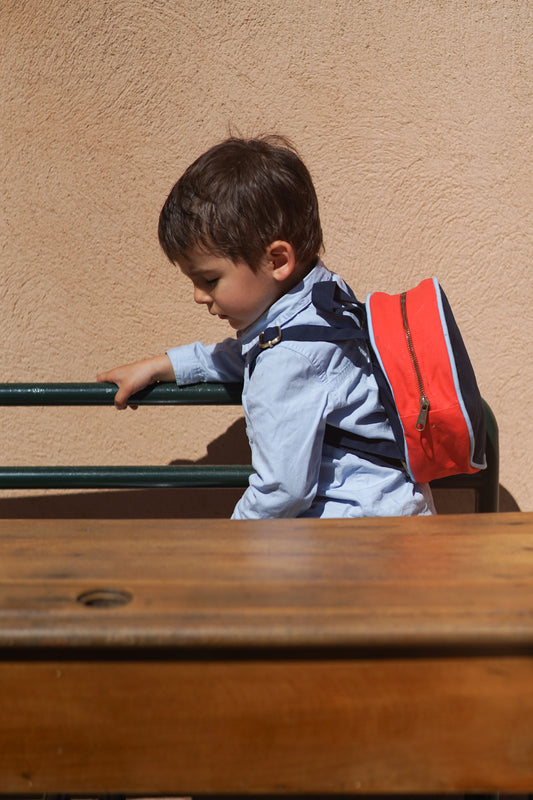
199, 269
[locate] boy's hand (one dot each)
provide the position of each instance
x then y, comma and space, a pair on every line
131, 378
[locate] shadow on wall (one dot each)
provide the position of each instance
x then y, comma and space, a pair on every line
230, 448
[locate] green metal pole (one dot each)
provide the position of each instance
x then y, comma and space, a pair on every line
195, 475
94, 394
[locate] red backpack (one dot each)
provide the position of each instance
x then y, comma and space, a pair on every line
424, 361
426, 381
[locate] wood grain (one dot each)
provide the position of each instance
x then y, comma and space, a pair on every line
400, 583
421, 725
391, 655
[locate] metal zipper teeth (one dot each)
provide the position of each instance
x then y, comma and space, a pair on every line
424, 402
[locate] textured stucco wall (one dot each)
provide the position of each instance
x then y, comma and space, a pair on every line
415, 118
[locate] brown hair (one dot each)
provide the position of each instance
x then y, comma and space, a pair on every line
239, 197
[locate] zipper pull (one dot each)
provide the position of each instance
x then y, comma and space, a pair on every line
423, 415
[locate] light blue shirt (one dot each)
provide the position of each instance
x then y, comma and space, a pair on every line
294, 389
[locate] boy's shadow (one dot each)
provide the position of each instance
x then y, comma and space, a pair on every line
187, 503
230, 448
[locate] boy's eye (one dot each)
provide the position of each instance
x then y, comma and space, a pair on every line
211, 281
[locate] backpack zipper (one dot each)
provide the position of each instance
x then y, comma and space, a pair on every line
424, 402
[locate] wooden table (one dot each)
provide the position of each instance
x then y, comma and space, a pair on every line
386, 655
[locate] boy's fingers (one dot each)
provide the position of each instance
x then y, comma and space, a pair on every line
123, 395
121, 399
103, 377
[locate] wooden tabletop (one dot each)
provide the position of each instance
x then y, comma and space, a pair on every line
447, 583
267, 658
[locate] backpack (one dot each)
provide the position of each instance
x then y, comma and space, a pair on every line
426, 381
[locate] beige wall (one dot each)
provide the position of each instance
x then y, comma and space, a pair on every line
414, 116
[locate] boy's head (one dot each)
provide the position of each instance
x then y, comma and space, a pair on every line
238, 198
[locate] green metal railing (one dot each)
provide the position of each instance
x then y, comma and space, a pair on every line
103, 394
120, 477
485, 483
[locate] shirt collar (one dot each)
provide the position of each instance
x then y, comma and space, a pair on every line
286, 308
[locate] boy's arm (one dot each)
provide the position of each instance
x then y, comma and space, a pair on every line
201, 363
193, 363
131, 378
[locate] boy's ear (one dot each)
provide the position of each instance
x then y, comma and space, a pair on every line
281, 256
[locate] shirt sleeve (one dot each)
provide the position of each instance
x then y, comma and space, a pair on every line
286, 410
200, 363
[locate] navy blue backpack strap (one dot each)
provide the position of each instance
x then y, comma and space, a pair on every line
383, 452
333, 302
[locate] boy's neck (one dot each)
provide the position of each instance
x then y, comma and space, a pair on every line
300, 272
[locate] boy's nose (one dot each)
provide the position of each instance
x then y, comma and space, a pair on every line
200, 296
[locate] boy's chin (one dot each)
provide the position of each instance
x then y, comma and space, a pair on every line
232, 323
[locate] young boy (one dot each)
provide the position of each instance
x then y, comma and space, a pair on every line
242, 224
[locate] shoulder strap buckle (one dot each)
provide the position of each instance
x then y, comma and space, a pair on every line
271, 342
